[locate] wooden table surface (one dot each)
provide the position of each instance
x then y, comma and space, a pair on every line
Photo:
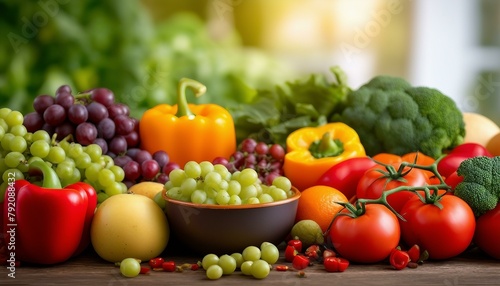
471, 268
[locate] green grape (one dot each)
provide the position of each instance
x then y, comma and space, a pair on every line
246, 267
223, 185
130, 267
94, 151
101, 197
188, 186
75, 150
270, 253
14, 118
214, 272
159, 200
6, 141
19, 130
92, 172
4, 111
4, 125
2, 132
248, 192
238, 257
107, 161
233, 187
266, 198
64, 144
209, 260
3, 167
253, 201
40, 148
41, 135
222, 197
206, 167
174, 193
277, 193
251, 253
64, 170
260, 269
10, 174
56, 155
28, 137
75, 177
106, 178
114, 189
223, 171
227, 263
13, 159
83, 161
213, 179
198, 197
18, 144
119, 173
211, 192
210, 201
234, 200
248, 177
283, 183
177, 176
192, 169
258, 188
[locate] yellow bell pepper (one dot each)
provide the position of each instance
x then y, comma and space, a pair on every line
188, 132
311, 151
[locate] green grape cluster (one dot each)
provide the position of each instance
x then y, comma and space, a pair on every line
71, 161
252, 261
206, 183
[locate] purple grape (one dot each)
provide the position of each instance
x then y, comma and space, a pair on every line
63, 89
169, 167
54, 115
118, 145
85, 133
103, 96
124, 124
132, 171
132, 152
122, 160
114, 110
97, 112
41, 102
149, 169
248, 145
65, 100
132, 139
261, 148
161, 157
103, 144
162, 178
63, 130
277, 152
49, 128
106, 128
142, 156
33, 121
78, 113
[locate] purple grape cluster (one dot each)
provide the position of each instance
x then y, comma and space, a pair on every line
266, 159
93, 117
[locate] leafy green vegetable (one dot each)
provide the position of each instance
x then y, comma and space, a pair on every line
275, 113
392, 116
480, 187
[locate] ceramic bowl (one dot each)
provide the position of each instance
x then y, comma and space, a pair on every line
218, 229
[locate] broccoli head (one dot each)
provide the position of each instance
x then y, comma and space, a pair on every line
480, 187
392, 116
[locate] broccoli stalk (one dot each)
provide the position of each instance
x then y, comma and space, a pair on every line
392, 116
480, 187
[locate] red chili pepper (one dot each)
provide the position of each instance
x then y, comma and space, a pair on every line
449, 164
168, 266
47, 222
300, 262
281, 268
144, 270
297, 243
335, 264
195, 266
313, 252
156, 262
399, 259
290, 253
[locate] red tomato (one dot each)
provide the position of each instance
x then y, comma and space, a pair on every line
373, 183
345, 175
453, 180
368, 238
487, 234
444, 232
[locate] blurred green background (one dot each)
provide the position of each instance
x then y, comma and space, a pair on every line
140, 49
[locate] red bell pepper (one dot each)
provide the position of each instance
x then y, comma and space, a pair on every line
450, 162
47, 224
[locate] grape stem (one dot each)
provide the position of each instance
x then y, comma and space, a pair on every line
182, 105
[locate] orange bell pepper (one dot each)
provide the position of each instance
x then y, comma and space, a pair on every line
311, 151
188, 132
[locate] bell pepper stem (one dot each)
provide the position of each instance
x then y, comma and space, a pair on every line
326, 147
182, 104
50, 179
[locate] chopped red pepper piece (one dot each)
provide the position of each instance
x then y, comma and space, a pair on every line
335, 264
313, 252
168, 266
290, 253
399, 259
297, 243
300, 262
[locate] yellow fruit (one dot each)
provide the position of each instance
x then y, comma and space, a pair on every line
479, 128
146, 188
128, 225
494, 145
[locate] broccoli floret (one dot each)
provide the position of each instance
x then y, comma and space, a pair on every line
480, 187
392, 116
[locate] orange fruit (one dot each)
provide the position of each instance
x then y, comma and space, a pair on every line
318, 203
494, 145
